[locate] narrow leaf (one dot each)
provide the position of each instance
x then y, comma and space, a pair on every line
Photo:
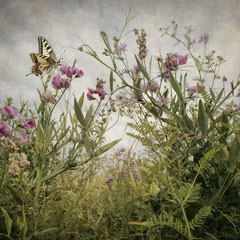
111, 81
79, 113
106, 147
8, 221
202, 118
175, 85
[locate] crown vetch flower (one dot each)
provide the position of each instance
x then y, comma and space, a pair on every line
9, 112
204, 38
4, 129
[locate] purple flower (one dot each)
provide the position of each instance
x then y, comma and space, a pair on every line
63, 69
153, 86
109, 179
183, 59
136, 70
4, 129
165, 75
192, 90
163, 101
203, 38
101, 93
79, 73
122, 47
20, 138
171, 62
90, 96
91, 90
9, 112
30, 124
142, 53
58, 82
24, 123
69, 72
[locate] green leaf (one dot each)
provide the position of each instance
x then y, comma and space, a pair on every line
145, 224
80, 101
111, 81
142, 69
79, 113
219, 95
106, 41
15, 194
212, 95
46, 231
202, 118
106, 147
175, 85
89, 114
8, 221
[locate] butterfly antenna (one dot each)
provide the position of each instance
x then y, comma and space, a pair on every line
28, 74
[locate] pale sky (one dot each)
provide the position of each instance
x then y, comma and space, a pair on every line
63, 23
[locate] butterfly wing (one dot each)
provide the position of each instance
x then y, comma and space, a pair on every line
45, 49
40, 63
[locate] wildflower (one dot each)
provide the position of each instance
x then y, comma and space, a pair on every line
4, 129
24, 123
136, 70
171, 62
138, 177
153, 86
192, 90
141, 42
48, 97
63, 69
69, 72
23, 162
204, 38
99, 90
10, 146
58, 82
20, 138
163, 101
78, 73
165, 75
101, 93
109, 179
9, 112
121, 48
14, 169
90, 96
183, 59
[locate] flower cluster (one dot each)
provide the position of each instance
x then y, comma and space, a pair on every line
204, 38
172, 62
141, 42
121, 48
58, 82
151, 86
71, 72
19, 136
99, 90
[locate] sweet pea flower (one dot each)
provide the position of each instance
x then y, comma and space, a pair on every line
63, 69
20, 138
101, 93
4, 129
30, 123
9, 112
58, 82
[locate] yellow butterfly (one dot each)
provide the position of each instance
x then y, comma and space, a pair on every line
45, 60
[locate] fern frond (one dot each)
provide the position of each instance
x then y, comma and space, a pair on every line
189, 193
200, 217
199, 65
189, 42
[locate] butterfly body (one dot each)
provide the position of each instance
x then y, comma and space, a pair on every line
45, 60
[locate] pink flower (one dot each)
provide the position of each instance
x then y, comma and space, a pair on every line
91, 90
183, 59
163, 101
121, 48
58, 82
63, 69
153, 86
24, 123
90, 96
69, 72
79, 73
30, 124
204, 38
101, 93
136, 70
20, 138
192, 90
171, 62
4, 129
9, 112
